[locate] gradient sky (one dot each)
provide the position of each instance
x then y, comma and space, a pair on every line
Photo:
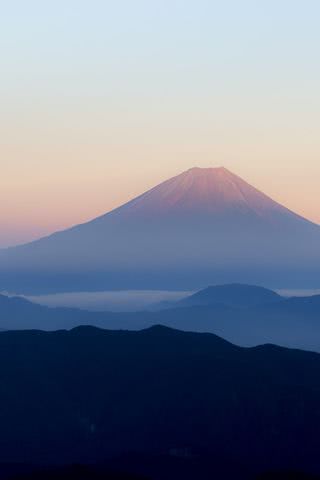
101, 100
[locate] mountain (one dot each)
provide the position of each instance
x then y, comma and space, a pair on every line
204, 226
234, 295
17, 313
91, 395
290, 322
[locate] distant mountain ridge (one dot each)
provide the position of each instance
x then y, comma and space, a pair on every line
203, 226
292, 322
236, 295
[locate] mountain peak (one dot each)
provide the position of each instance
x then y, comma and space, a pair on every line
205, 170
213, 190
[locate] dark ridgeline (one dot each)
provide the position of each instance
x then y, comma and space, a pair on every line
158, 468
159, 400
245, 315
201, 227
73, 472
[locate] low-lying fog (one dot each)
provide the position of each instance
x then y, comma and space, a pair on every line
128, 300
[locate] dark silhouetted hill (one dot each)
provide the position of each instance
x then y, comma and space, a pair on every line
90, 395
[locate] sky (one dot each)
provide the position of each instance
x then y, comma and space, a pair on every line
101, 100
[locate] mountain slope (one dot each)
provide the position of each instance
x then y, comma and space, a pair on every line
90, 394
204, 226
202, 191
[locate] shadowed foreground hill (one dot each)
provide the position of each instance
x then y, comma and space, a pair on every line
89, 395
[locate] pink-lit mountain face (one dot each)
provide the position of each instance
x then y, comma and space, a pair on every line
201, 227
203, 191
